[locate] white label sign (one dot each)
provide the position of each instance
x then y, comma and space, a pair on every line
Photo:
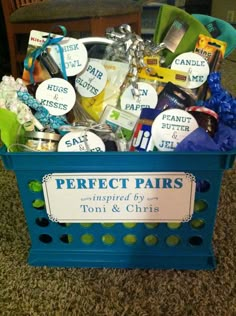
170, 127
81, 141
92, 81
74, 53
147, 98
56, 95
196, 66
117, 197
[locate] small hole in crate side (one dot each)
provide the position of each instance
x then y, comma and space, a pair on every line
151, 240
35, 186
202, 185
38, 204
200, 205
108, 225
66, 238
129, 225
87, 239
151, 225
173, 240
64, 224
86, 225
195, 241
42, 221
108, 239
45, 238
197, 223
173, 225
130, 239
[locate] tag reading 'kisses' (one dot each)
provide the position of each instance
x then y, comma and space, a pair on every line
92, 81
147, 98
75, 55
170, 127
81, 141
56, 95
196, 66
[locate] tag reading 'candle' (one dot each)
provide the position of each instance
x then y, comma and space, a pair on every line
56, 95
171, 127
196, 66
146, 98
92, 81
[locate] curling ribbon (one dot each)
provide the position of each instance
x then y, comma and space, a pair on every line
30, 58
42, 114
221, 101
131, 47
128, 45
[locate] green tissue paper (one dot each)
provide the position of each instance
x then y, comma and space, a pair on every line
166, 16
9, 127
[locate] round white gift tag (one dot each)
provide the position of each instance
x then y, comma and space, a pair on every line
92, 81
56, 95
147, 98
196, 66
81, 141
75, 55
170, 127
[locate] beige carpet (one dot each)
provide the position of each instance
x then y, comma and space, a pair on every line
29, 291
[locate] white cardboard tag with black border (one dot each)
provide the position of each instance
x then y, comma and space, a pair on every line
74, 53
196, 67
56, 95
119, 197
92, 81
147, 98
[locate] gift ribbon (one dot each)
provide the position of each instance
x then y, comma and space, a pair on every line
131, 47
42, 114
221, 101
30, 58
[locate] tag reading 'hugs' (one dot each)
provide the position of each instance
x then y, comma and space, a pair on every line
56, 95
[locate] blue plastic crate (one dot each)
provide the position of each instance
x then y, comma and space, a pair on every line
187, 245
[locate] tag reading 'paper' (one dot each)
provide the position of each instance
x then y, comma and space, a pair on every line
75, 55
81, 141
171, 127
56, 95
92, 81
147, 98
196, 66
119, 197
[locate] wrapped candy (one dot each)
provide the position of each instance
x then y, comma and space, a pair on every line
9, 100
42, 114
